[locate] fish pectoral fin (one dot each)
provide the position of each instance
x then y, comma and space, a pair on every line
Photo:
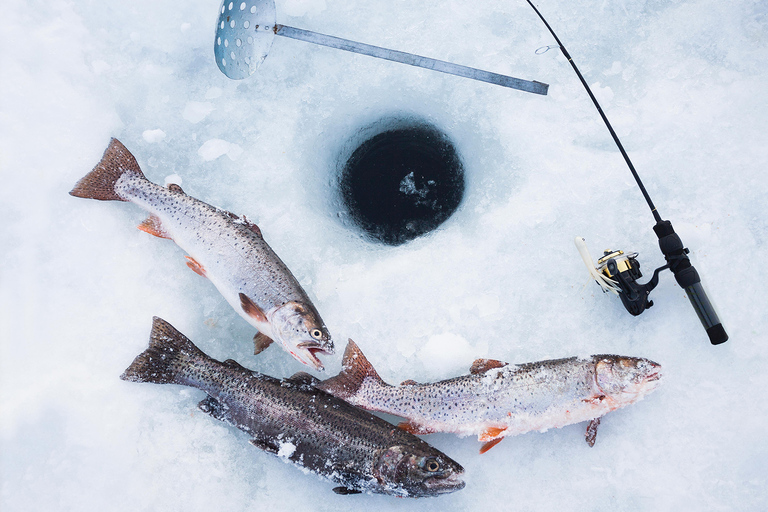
195, 266
265, 444
414, 428
260, 342
251, 309
483, 365
154, 226
595, 399
216, 409
409, 382
491, 433
303, 378
345, 491
490, 444
591, 435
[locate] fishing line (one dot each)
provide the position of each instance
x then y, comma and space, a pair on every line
619, 271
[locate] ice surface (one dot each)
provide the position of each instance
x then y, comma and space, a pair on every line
685, 84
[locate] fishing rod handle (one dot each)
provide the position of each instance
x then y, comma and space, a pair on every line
688, 279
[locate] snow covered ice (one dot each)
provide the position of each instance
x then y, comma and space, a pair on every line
685, 85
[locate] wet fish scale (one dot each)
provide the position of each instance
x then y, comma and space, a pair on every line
294, 419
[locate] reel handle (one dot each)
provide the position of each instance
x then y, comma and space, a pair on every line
688, 279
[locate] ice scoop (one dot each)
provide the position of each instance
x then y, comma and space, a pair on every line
245, 31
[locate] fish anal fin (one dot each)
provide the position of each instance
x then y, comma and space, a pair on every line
490, 444
483, 365
251, 309
491, 433
345, 491
154, 226
213, 407
260, 342
265, 445
409, 382
591, 435
355, 369
414, 428
195, 266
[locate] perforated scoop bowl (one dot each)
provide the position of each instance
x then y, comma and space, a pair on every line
244, 35
246, 28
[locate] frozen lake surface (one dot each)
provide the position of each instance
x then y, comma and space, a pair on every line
685, 84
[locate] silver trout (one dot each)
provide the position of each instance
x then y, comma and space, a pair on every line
497, 399
227, 249
292, 419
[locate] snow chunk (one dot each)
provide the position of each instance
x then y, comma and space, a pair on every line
153, 136
214, 148
173, 178
286, 449
446, 352
196, 111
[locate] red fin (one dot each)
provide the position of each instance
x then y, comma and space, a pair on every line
260, 342
409, 382
355, 369
415, 428
490, 433
483, 365
251, 309
154, 226
100, 182
194, 265
490, 444
591, 435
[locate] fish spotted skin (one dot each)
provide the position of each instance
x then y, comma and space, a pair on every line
294, 420
227, 249
497, 399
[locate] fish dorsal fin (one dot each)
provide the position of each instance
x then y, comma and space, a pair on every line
175, 188
483, 365
303, 379
251, 309
355, 369
409, 382
196, 267
345, 491
154, 226
591, 435
253, 227
260, 342
490, 444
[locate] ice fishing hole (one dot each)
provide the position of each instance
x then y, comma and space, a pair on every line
402, 183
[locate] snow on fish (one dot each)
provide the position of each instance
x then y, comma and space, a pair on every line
229, 250
497, 399
303, 425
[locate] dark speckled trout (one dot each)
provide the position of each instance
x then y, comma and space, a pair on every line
294, 420
497, 399
227, 249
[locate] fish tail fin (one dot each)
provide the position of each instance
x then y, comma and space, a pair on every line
166, 359
355, 369
100, 182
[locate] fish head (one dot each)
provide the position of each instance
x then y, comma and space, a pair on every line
417, 471
626, 379
299, 328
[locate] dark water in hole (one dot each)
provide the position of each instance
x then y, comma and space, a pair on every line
402, 183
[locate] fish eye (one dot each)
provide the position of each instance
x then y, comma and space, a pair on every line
432, 465
316, 333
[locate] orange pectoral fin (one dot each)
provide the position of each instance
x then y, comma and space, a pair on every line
414, 428
490, 434
490, 444
154, 226
194, 265
251, 309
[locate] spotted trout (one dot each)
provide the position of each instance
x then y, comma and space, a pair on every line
294, 420
229, 250
498, 399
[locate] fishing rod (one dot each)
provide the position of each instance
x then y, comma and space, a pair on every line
618, 272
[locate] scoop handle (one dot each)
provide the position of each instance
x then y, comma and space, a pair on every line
411, 59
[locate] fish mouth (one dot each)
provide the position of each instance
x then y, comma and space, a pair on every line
450, 483
311, 349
